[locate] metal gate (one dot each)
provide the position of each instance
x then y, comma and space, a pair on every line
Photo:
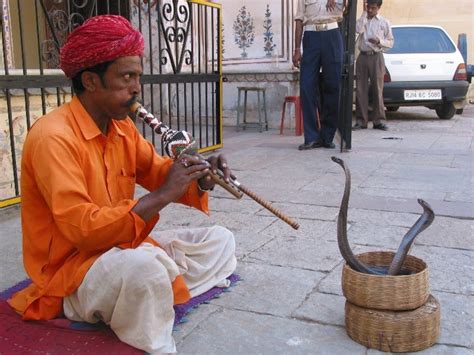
182, 66
346, 97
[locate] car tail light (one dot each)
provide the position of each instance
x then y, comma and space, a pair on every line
461, 73
386, 76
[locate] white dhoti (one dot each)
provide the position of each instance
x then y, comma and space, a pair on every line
130, 289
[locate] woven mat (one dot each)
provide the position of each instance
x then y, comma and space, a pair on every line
62, 336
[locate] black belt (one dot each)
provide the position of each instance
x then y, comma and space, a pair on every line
369, 53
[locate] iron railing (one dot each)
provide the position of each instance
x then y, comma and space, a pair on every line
182, 81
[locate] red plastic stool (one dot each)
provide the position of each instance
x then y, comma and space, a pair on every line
298, 115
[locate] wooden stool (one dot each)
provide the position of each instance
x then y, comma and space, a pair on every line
298, 115
258, 90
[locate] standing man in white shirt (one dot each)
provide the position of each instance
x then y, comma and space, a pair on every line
322, 54
375, 37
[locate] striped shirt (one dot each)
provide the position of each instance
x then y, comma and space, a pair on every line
376, 27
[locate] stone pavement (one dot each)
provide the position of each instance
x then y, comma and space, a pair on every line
290, 300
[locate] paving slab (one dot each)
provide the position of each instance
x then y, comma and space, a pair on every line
12, 270
463, 196
322, 308
449, 233
453, 143
331, 284
417, 159
192, 320
247, 243
309, 228
302, 252
239, 332
451, 270
421, 177
384, 237
261, 292
434, 350
457, 315
463, 161
382, 218
399, 193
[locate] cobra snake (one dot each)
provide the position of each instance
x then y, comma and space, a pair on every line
395, 267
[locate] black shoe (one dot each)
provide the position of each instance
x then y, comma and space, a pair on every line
311, 145
381, 126
358, 126
329, 145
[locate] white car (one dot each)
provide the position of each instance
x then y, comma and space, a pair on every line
424, 68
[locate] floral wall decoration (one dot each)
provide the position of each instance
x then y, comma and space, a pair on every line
145, 4
244, 28
268, 33
257, 31
223, 39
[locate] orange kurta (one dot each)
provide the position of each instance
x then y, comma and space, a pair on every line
77, 188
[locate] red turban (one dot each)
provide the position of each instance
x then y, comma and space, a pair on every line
100, 39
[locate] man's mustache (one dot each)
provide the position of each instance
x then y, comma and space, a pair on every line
131, 101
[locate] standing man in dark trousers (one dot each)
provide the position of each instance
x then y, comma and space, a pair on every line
375, 37
322, 54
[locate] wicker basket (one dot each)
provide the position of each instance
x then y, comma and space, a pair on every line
393, 293
401, 331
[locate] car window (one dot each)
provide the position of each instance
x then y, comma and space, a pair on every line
420, 40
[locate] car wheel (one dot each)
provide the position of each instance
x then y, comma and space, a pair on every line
392, 108
446, 111
459, 111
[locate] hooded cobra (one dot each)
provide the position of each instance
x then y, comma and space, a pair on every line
396, 265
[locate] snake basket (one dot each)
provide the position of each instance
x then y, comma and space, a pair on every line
401, 331
403, 292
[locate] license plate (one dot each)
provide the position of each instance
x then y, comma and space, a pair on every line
433, 94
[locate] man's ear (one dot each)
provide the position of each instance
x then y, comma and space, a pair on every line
90, 81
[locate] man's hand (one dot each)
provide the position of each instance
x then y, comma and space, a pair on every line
375, 41
215, 163
331, 5
182, 173
345, 8
296, 58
